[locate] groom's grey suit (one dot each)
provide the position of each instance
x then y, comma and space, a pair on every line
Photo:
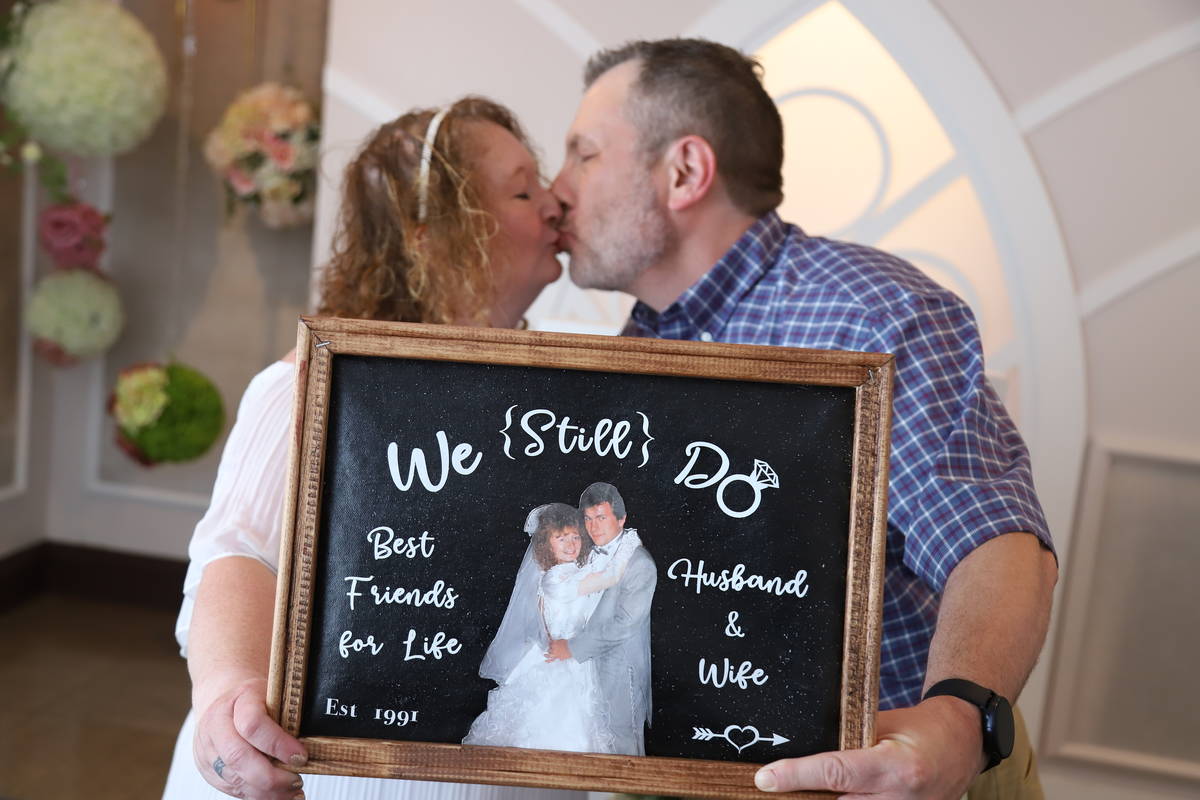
617, 638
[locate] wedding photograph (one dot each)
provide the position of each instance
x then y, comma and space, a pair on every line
572, 657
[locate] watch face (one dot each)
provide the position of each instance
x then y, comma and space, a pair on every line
999, 727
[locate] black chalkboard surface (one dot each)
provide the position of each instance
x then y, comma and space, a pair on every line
752, 481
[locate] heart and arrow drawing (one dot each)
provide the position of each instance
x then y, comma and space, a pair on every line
739, 736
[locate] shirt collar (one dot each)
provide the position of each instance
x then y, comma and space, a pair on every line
613, 542
704, 309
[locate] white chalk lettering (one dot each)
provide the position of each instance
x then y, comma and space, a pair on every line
741, 676
384, 544
609, 437
439, 594
389, 716
348, 643
441, 645
736, 579
763, 477
417, 465
335, 708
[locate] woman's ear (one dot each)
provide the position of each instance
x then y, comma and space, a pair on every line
691, 171
420, 234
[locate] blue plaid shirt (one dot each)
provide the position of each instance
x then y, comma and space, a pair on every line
959, 471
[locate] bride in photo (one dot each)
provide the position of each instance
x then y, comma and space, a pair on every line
541, 704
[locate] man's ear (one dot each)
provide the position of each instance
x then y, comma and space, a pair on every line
691, 171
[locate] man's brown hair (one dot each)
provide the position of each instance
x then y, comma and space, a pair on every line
694, 86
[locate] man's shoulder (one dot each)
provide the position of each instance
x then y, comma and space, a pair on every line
641, 555
850, 281
857, 269
641, 567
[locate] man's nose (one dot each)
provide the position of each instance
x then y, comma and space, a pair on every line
552, 210
560, 188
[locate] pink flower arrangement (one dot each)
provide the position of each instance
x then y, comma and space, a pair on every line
73, 234
265, 152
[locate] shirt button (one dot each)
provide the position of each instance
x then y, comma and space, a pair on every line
706, 337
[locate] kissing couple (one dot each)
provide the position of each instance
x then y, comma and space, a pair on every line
572, 655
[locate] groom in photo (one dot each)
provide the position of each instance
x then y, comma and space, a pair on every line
617, 636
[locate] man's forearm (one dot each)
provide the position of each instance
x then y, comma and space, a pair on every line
994, 614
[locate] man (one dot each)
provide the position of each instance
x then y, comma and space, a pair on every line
669, 186
617, 635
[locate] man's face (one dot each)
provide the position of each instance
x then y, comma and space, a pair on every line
602, 524
615, 225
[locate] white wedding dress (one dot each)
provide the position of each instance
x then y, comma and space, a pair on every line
555, 705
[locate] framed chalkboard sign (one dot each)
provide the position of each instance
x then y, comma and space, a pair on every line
576, 561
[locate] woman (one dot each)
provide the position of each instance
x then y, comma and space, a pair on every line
444, 220
550, 705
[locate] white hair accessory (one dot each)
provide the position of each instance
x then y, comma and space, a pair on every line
426, 158
531, 521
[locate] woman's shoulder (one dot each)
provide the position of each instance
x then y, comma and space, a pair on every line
276, 375
270, 389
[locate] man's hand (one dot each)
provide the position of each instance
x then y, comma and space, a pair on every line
932, 751
559, 651
234, 736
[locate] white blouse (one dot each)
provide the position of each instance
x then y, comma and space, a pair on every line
246, 510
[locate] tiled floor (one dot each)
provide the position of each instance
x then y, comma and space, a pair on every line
91, 697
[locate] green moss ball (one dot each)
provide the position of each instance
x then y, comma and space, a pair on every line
189, 424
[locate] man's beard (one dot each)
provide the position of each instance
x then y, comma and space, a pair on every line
629, 238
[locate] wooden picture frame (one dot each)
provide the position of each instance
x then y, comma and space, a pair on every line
732, 369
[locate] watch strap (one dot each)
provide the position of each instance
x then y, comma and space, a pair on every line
962, 689
995, 715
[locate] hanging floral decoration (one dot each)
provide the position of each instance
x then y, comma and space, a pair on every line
80, 77
165, 412
74, 314
265, 153
75, 311
72, 233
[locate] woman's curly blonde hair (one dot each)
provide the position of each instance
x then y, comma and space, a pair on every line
389, 265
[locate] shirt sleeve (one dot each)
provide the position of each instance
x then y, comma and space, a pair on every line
960, 473
246, 509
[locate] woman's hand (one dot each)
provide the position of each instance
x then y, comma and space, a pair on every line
228, 651
235, 736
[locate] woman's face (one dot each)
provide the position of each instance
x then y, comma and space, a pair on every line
565, 544
524, 248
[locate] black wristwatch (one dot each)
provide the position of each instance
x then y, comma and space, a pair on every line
998, 726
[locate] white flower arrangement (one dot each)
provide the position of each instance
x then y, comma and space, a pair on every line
77, 311
85, 77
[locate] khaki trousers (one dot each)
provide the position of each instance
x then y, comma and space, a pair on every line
1014, 777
